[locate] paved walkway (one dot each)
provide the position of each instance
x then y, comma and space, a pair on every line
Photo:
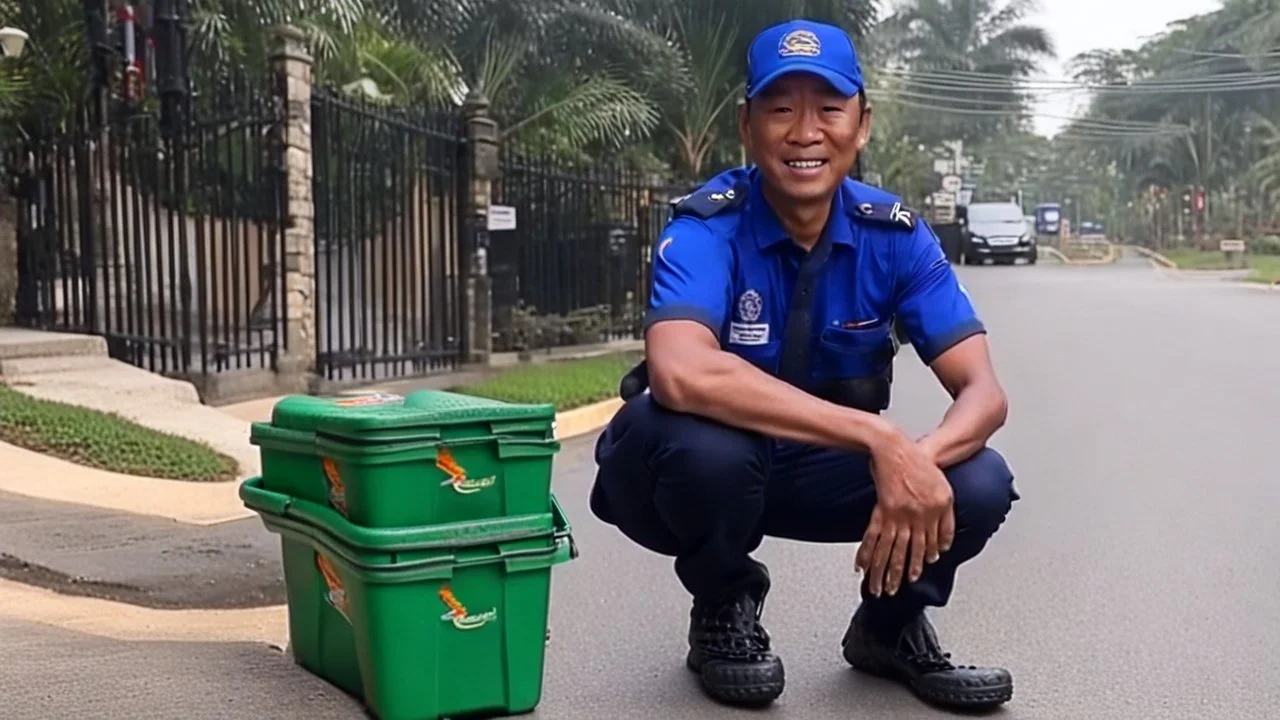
76, 369
1134, 580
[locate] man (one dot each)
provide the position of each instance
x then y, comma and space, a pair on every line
769, 345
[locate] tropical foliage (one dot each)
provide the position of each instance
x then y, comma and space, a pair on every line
657, 82
1196, 107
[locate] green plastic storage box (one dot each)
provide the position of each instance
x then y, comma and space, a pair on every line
457, 632
429, 483
469, 437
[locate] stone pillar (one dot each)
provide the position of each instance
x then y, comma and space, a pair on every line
482, 169
8, 257
291, 66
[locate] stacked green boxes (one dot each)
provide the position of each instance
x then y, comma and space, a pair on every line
431, 457
418, 536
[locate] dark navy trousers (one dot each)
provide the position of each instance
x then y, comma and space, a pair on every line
707, 494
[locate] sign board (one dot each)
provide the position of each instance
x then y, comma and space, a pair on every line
951, 183
965, 197
502, 217
1231, 245
944, 207
942, 166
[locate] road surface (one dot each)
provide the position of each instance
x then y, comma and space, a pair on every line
1135, 579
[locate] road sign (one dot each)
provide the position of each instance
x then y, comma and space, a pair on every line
1231, 245
502, 217
965, 197
952, 183
944, 207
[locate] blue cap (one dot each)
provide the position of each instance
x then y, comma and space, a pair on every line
803, 46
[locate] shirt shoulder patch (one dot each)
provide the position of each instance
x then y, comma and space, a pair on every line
894, 214
707, 203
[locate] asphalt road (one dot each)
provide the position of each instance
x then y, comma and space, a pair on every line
1135, 579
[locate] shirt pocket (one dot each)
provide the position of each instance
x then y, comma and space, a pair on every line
854, 353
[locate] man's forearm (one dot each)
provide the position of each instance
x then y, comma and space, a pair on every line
727, 388
975, 415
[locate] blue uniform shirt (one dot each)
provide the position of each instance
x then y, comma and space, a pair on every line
726, 262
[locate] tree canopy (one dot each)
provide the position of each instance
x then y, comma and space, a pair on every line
656, 83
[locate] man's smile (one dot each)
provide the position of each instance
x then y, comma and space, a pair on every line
806, 166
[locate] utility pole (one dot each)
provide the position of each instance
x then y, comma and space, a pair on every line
1206, 164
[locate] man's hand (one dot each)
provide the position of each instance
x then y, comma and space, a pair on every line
913, 520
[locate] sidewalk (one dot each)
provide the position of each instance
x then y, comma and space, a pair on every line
56, 673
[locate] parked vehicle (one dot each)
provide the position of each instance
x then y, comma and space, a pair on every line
1048, 219
998, 232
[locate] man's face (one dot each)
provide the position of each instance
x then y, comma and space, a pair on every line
804, 135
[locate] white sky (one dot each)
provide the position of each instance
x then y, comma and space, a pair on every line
1080, 25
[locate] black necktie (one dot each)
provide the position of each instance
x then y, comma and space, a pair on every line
794, 365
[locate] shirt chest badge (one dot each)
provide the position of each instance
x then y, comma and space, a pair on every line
746, 328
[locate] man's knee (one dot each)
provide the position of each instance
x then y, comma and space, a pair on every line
691, 455
983, 489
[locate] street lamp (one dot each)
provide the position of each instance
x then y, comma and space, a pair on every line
13, 41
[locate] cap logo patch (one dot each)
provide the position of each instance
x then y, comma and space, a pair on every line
802, 43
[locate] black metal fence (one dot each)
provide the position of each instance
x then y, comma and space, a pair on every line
575, 269
388, 210
168, 238
165, 238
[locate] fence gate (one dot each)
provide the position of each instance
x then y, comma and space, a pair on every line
165, 240
389, 207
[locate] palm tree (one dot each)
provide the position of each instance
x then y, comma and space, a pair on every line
690, 57
970, 54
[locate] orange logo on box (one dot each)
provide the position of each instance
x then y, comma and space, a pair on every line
336, 594
458, 479
374, 399
458, 615
337, 490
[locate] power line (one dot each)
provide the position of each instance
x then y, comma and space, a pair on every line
1013, 107
1233, 55
1224, 82
1114, 131
998, 78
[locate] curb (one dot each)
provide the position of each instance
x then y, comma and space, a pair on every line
1110, 259
1168, 268
121, 621
1057, 254
1179, 274
34, 475
1154, 256
586, 419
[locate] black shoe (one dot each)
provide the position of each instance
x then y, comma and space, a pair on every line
730, 651
913, 657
